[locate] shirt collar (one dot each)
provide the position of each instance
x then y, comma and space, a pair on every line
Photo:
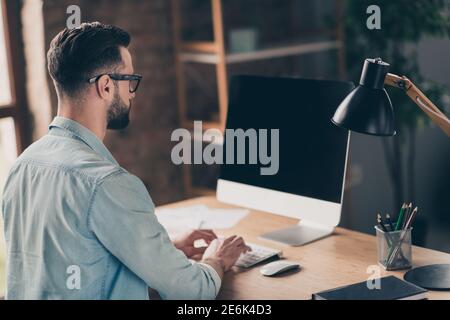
84, 134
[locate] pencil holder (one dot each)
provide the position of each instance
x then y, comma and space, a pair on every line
394, 249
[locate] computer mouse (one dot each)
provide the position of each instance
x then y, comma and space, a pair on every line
277, 267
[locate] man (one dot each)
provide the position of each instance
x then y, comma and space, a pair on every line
77, 225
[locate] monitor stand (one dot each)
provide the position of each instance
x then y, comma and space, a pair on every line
303, 233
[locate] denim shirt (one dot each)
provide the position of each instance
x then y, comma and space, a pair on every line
78, 226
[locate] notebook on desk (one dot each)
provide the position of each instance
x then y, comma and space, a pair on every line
391, 288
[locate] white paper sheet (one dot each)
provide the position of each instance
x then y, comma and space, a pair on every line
199, 217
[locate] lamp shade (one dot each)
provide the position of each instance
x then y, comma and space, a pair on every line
368, 108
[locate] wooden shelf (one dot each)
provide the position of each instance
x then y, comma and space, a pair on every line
200, 46
269, 53
208, 58
282, 51
214, 53
205, 125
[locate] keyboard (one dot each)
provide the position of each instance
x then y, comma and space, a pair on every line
257, 255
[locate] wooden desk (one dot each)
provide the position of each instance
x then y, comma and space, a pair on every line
338, 260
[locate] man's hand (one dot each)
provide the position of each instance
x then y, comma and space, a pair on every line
225, 251
185, 242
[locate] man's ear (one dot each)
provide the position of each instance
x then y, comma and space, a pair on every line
105, 87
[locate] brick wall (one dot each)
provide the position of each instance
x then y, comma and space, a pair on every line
144, 147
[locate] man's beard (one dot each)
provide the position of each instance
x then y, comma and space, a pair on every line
118, 114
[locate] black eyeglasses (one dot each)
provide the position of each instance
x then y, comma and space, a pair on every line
134, 79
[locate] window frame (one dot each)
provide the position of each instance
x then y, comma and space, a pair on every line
17, 108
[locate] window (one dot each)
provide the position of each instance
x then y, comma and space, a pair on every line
5, 88
12, 72
12, 99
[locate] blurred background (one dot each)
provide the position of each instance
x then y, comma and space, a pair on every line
187, 50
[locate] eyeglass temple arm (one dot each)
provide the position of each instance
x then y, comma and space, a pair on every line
419, 98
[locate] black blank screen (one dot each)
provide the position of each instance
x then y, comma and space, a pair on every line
312, 149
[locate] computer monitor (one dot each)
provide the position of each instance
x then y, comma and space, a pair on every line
312, 153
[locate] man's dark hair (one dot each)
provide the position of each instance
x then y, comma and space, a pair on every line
75, 55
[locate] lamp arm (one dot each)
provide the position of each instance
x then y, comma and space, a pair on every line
419, 98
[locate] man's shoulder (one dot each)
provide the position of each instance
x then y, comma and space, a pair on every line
124, 183
69, 155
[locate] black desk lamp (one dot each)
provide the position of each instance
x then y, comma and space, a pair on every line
368, 109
